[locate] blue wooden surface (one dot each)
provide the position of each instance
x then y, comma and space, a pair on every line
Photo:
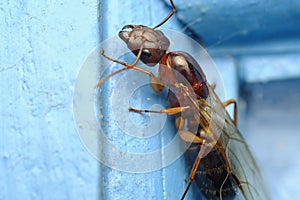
43, 44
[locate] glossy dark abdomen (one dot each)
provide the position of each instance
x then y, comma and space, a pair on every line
212, 176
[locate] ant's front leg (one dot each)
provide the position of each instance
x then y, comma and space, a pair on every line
126, 67
156, 84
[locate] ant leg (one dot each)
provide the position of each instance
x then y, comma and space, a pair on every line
227, 103
168, 111
194, 169
156, 84
126, 65
190, 137
185, 135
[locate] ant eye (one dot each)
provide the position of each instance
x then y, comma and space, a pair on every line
128, 28
146, 53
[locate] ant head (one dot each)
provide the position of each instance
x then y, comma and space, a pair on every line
153, 42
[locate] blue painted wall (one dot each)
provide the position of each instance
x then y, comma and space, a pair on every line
43, 44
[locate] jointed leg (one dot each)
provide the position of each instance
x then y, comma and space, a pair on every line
126, 65
213, 86
194, 169
227, 103
168, 111
185, 135
168, 17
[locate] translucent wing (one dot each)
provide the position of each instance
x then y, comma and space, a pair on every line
240, 160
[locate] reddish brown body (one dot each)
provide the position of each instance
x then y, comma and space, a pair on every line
213, 170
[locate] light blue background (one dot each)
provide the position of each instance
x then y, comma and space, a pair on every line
44, 44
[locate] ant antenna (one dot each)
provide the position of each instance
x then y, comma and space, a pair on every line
168, 17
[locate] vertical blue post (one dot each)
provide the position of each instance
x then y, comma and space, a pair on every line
43, 44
